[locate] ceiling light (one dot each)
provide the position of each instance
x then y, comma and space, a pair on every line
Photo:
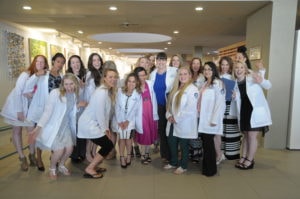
169, 43
113, 8
130, 37
139, 50
99, 42
110, 48
175, 31
80, 31
27, 8
166, 48
199, 8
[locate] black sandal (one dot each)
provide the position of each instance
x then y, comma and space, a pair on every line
123, 165
243, 166
240, 162
144, 160
128, 158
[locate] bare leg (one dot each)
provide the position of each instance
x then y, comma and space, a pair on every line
40, 163
91, 168
17, 140
252, 145
65, 156
217, 141
88, 154
121, 151
128, 143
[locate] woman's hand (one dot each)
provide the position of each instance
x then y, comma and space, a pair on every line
32, 135
82, 104
171, 119
20, 116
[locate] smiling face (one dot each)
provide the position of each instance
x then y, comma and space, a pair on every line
40, 63
69, 85
58, 63
142, 77
131, 83
196, 65
207, 72
75, 65
184, 75
240, 70
110, 79
224, 67
96, 62
175, 61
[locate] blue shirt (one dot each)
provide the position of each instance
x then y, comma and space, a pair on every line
160, 88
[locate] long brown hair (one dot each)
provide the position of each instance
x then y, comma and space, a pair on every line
137, 81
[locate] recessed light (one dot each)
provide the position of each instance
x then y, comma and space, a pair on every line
166, 48
80, 31
199, 8
99, 42
175, 31
110, 48
27, 8
113, 8
169, 43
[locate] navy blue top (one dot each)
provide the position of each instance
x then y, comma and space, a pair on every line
160, 88
229, 85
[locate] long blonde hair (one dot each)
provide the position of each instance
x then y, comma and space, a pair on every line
62, 90
113, 90
176, 87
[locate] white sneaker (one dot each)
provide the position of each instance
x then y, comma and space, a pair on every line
180, 170
221, 159
168, 166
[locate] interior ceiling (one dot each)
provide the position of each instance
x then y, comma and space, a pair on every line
220, 24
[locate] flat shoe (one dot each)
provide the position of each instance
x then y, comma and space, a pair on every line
101, 170
93, 176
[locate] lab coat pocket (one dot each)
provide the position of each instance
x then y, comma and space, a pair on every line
259, 115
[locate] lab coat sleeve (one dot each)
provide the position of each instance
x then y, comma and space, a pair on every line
18, 92
219, 102
118, 108
49, 107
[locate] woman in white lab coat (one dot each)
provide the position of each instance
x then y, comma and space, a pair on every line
93, 123
146, 120
182, 119
252, 108
15, 109
126, 108
42, 85
92, 82
56, 129
211, 108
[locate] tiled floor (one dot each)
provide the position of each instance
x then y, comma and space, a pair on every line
276, 176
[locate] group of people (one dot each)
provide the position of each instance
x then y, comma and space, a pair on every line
176, 107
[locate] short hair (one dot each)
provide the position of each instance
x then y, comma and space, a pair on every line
161, 55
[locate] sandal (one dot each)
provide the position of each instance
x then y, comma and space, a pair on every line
128, 159
93, 176
144, 160
52, 174
148, 157
244, 166
62, 169
100, 170
240, 162
123, 162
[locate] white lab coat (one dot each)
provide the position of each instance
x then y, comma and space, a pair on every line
261, 115
17, 102
170, 77
212, 107
123, 114
186, 116
139, 117
90, 86
94, 120
40, 96
52, 117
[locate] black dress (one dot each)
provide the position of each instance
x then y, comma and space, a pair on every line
246, 109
